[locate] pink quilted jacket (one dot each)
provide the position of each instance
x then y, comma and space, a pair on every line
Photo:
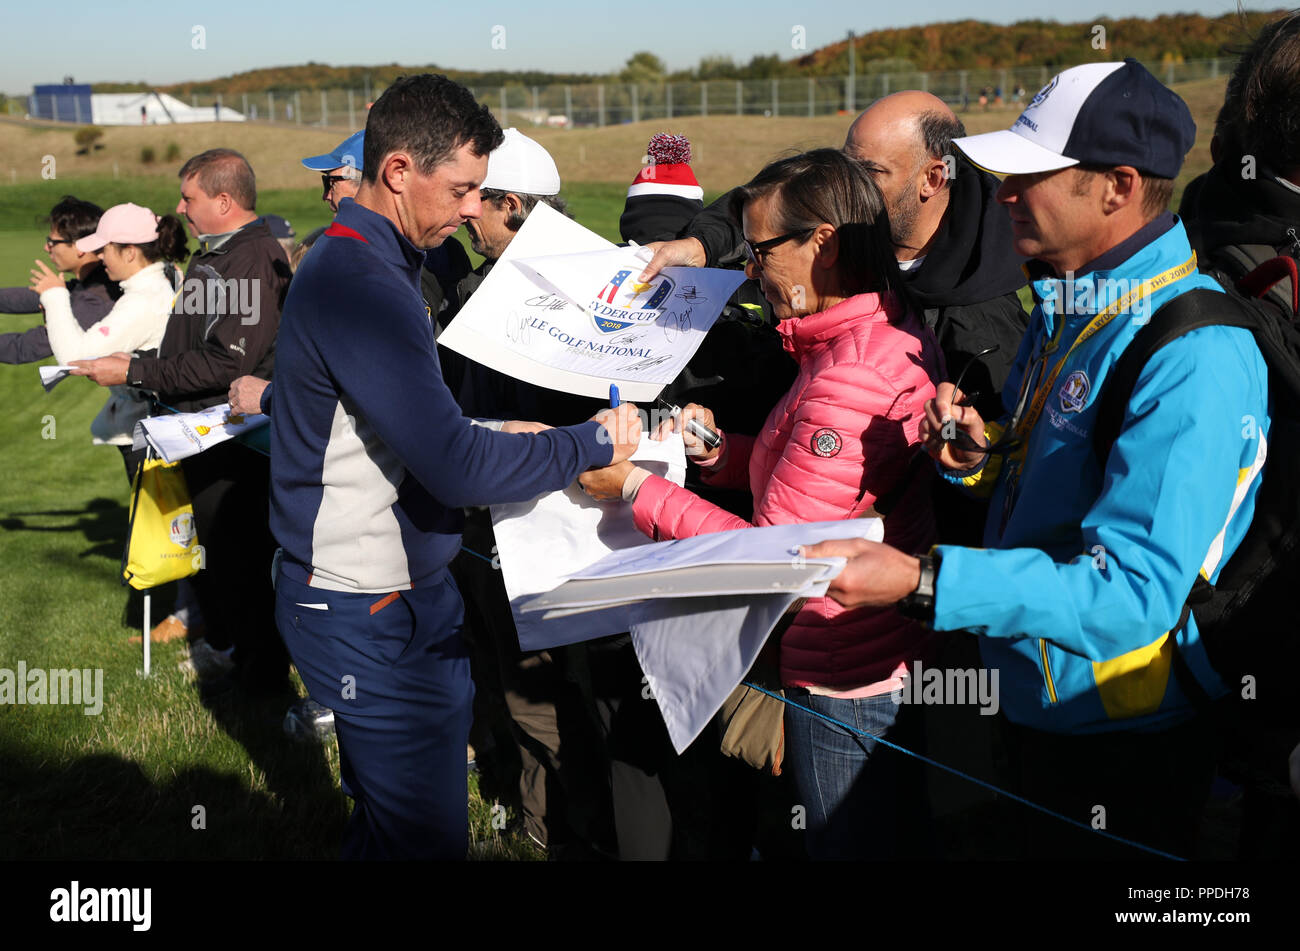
842, 436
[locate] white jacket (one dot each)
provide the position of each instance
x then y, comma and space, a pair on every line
136, 322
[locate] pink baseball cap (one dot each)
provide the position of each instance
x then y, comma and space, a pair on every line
122, 224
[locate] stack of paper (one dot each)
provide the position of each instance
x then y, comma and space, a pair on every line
701, 608
546, 540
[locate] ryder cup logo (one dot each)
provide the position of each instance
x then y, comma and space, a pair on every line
182, 530
624, 302
1074, 392
1043, 93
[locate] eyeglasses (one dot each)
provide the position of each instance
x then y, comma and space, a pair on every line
329, 181
1009, 442
756, 249
51, 241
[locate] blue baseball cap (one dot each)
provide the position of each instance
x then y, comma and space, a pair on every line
1107, 114
349, 152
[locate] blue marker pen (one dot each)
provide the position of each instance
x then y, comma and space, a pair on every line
614, 401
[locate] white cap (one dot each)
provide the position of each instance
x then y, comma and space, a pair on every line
522, 166
1037, 141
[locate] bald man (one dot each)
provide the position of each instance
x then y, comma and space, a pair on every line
952, 240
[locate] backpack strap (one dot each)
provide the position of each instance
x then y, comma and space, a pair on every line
1193, 310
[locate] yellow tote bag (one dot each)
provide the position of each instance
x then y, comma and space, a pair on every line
161, 543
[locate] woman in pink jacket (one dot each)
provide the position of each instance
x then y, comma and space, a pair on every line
819, 242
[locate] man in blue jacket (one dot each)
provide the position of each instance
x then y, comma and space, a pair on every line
1078, 593
371, 462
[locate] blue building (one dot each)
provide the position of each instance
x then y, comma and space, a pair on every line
62, 103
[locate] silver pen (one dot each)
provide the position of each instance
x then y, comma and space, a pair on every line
697, 429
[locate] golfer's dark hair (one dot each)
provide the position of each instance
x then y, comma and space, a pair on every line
429, 116
1261, 108
73, 218
223, 170
170, 245
825, 186
526, 204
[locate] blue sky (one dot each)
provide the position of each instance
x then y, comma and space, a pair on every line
130, 40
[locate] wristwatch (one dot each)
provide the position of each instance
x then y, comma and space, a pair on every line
919, 604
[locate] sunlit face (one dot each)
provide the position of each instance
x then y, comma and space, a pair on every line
340, 186
202, 211
1051, 217
120, 262
62, 252
490, 235
894, 148
786, 271
434, 206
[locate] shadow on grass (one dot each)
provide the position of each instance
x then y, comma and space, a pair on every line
104, 807
292, 768
103, 523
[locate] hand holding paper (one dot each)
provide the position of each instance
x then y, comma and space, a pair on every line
875, 574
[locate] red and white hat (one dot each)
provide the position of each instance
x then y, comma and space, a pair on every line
122, 224
668, 171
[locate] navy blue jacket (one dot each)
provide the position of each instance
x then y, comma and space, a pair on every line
371, 458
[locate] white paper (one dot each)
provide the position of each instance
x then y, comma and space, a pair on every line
630, 332
182, 435
543, 541
693, 659
695, 651
50, 376
770, 544
521, 324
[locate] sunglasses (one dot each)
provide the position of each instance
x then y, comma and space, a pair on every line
329, 181
757, 249
53, 242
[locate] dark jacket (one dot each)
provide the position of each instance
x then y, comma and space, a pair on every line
357, 341
1221, 209
92, 299
218, 331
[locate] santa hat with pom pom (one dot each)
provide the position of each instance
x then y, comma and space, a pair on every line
664, 196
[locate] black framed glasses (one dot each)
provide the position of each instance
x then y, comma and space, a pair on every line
51, 241
1009, 442
756, 249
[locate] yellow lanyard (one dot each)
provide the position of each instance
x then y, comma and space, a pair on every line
1026, 423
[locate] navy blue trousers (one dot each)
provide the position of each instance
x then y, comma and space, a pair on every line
396, 674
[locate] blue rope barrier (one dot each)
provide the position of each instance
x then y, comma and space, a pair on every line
973, 779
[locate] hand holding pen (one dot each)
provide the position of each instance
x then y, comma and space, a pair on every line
698, 428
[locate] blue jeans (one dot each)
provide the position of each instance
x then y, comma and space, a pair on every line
863, 800
396, 674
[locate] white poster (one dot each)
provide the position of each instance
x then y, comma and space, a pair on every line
562, 309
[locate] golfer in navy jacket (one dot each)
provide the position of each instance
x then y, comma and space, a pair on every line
371, 461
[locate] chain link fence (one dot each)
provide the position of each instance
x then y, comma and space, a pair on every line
601, 104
